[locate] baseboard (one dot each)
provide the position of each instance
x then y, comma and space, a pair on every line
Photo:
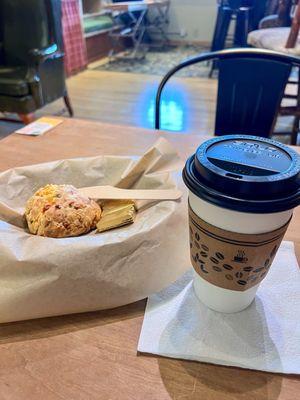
98, 63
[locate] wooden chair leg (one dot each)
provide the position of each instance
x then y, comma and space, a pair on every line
68, 104
27, 118
292, 39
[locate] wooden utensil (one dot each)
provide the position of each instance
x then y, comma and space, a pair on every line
111, 192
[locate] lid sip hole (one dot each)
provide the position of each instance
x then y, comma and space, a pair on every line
234, 176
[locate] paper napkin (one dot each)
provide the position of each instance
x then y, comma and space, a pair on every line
40, 126
265, 336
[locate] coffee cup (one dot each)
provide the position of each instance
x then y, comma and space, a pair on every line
242, 192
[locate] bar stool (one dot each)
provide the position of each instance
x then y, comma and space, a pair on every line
228, 11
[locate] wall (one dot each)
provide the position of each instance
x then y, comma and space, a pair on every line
196, 18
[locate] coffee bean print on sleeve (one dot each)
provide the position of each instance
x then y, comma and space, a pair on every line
220, 256
273, 251
257, 270
267, 262
202, 267
228, 267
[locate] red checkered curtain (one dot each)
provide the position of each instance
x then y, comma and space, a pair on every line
74, 43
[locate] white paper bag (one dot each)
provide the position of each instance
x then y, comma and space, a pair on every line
42, 276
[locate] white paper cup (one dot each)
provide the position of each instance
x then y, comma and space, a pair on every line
214, 297
242, 192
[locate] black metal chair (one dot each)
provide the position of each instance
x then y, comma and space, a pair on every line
250, 89
31, 56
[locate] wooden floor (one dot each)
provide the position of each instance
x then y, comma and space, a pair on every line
128, 99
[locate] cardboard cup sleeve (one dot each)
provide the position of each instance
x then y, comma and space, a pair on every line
231, 260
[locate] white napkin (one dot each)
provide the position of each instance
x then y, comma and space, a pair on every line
265, 336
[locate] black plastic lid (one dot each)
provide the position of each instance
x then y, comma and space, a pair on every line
245, 173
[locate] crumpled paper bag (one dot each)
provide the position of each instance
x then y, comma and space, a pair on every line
42, 277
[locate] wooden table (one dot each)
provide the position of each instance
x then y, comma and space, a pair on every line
139, 22
93, 356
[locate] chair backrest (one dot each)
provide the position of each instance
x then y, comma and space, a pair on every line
272, 7
249, 93
27, 25
284, 10
279, 7
250, 89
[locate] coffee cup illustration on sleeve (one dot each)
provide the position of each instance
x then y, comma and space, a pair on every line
242, 192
